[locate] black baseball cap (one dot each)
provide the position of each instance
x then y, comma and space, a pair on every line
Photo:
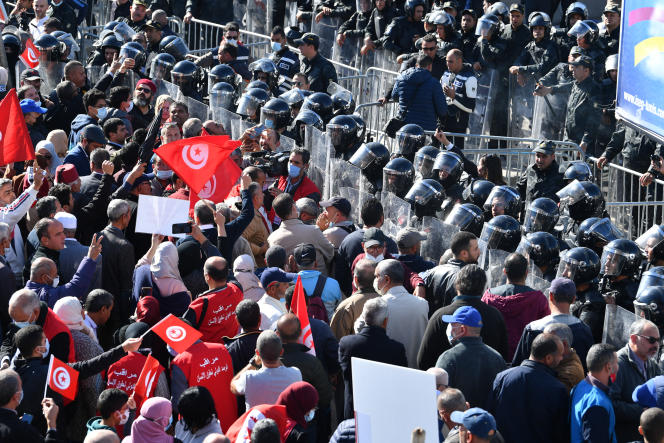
340, 203
583, 60
154, 25
373, 236
30, 74
308, 39
517, 7
545, 147
305, 254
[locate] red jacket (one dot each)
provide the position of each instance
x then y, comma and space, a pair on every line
219, 319
54, 327
210, 365
240, 431
305, 189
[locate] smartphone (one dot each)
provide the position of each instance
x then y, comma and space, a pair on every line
181, 228
27, 418
258, 130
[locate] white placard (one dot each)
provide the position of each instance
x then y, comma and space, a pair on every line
156, 215
391, 401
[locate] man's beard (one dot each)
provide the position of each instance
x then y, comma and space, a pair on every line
141, 101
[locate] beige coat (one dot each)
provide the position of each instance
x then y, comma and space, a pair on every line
256, 233
293, 232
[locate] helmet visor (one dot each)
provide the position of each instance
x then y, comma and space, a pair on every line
221, 99
293, 97
424, 165
160, 69
362, 158
613, 262
421, 193
579, 29
484, 28
606, 230
570, 268
177, 48
248, 105
408, 143
501, 196
337, 133
395, 182
524, 248
538, 220
651, 238
572, 193
129, 52
273, 119
492, 235
580, 171
653, 277
462, 217
125, 31
447, 162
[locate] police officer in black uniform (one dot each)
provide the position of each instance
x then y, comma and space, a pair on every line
398, 176
583, 111
620, 269
595, 233
543, 178
586, 33
544, 250
374, 34
371, 158
560, 78
467, 34
137, 15
318, 69
460, 88
403, 31
516, 34
610, 33
540, 55
425, 196
185, 75
575, 12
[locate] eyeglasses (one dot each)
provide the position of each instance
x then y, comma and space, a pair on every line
430, 48
651, 340
146, 90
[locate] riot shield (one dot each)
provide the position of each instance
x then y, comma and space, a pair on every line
130, 79
225, 117
51, 74
479, 121
617, 321
538, 283
397, 213
439, 237
320, 146
286, 144
343, 175
256, 17
348, 53
94, 73
549, 116
495, 265
238, 127
197, 109
357, 198
520, 108
326, 29
239, 10
167, 88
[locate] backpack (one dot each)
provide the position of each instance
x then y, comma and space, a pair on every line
315, 306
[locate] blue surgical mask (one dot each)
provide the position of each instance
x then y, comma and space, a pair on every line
102, 113
293, 171
310, 415
170, 422
131, 106
164, 175
48, 349
23, 324
276, 46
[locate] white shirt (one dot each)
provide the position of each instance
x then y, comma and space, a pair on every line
90, 323
271, 310
37, 27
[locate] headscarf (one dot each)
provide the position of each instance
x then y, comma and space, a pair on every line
60, 141
164, 268
55, 160
299, 398
149, 427
147, 310
69, 310
243, 270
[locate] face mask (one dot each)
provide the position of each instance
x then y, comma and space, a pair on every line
378, 258
23, 324
170, 421
48, 349
448, 332
376, 288
20, 399
293, 171
56, 281
164, 175
231, 41
124, 417
131, 106
310, 415
276, 46
102, 113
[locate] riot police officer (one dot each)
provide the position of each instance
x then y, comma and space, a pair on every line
425, 157
577, 171
560, 78
652, 243
304, 118
321, 103
575, 12
425, 196
620, 269
222, 96
540, 55
649, 304
586, 33
467, 217
502, 232
478, 191
502, 200
223, 73
583, 200
516, 34
250, 104
544, 250
543, 178
343, 132
403, 31
448, 39
185, 75
276, 115
343, 102
107, 50
410, 138
447, 169
371, 158
595, 233
398, 176
542, 215
581, 265
583, 111
266, 71
175, 46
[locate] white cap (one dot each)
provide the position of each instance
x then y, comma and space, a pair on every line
68, 220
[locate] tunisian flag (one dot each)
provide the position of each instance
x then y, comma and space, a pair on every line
15, 143
147, 381
196, 159
62, 378
179, 335
299, 308
30, 56
219, 185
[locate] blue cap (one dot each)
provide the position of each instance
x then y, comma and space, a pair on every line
466, 315
28, 105
478, 421
140, 179
273, 275
564, 287
651, 393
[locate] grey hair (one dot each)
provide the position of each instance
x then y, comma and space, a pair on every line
563, 332
5, 231
5, 181
192, 127
9, 382
393, 269
308, 206
254, 189
451, 399
167, 126
24, 299
639, 325
375, 311
116, 209
269, 346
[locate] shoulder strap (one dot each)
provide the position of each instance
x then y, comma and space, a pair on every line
320, 285
203, 312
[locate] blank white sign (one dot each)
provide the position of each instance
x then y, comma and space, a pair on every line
156, 215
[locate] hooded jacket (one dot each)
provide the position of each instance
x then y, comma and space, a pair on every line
77, 125
421, 99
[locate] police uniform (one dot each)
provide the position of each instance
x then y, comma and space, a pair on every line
538, 58
564, 42
516, 40
66, 15
589, 308
318, 70
535, 183
461, 106
583, 112
560, 78
400, 34
468, 42
288, 64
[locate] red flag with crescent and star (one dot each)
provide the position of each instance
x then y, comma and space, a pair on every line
30, 56
220, 184
147, 381
15, 143
299, 308
195, 160
176, 333
62, 378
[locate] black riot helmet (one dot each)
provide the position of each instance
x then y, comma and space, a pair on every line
222, 95
111, 41
575, 8
174, 45
595, 233
371, 158
293, 33
161, 66
487, 26
501, 10
501, 232
410, 5
653, 277
584, 200
478, 191
621, 257
649, 304
251, 101
505, 197
652, 243
10, 39
398, 175
586, 29
265, 70
260, 84
183, 74
467, 217
426, 196
581, 265
425, 157
111, 25
49, 47
321, 104
361, 126
275, 114
542, 248
294, 98
410, 138
578, 171
448, 168
135, 51
342, 130
538, 18
223, 73
542, 215
343, 103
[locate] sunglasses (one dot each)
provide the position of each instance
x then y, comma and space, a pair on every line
145, 90
431, 48
651, 340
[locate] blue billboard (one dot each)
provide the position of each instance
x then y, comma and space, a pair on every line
640, 92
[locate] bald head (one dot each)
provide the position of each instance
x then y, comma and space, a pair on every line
215, 271
101, 436
41, 268
288, 328
24, 306
216, 438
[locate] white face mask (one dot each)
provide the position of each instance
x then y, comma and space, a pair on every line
231, 41
56, 281
124, 417
376, 288
102, 113
131, 106
310, 415
448, 332
378, 258
47, 345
